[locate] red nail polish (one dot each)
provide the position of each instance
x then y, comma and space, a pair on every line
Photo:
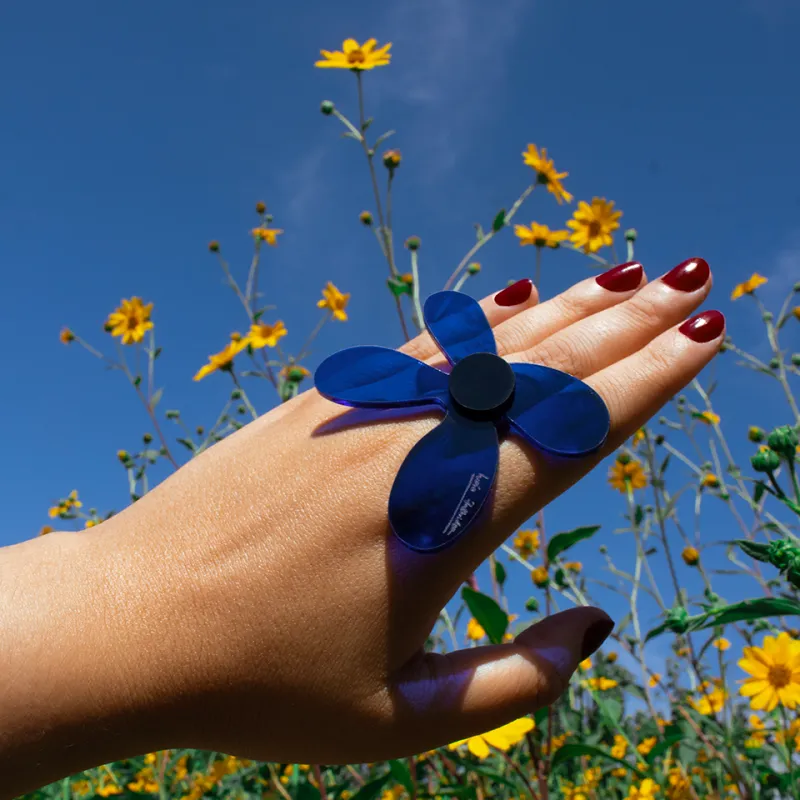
515, 294
624, 278
704, 327
688, 276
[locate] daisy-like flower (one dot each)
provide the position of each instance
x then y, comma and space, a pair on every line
263, 335
526, 542
646, 745
628, 473
334, 301
66, 336
540, 577
722, 644
503, 738
222, 360
600, 684
571, 792
749, 286
586, 664
620, 746
710, 702
546, 172
645, 791
774, 670
268, 235
592, 225
66, 505
709, 480
539, 235
130, 321
638, 437
356, 56
475, 631
709, 417
655, 679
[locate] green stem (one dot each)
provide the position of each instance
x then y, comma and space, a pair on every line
245, 398
417, 316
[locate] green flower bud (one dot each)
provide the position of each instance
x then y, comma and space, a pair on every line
147, 438
236, 395
413, 243
678, 620
660, 438
767, 316
662, 420
630, 235
796, 359
532, 604
163, 451
241, 410
200, 430
213, 247
296, 374
624, 458
474, 268
172, 414
755, 434
774, 363
366, 218
326, 107
783, 441
783, 553
796, 287
765, 461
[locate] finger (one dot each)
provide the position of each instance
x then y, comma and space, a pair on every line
498, 307
590, 296
595, 342
443, 698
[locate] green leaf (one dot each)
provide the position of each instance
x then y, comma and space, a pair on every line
480, 770
663, 746
155, 398
569, 751
137, 381
498, 223
397, 287
760, 552
563, 541
151, 455
305, 791
759, 491
402, 774
366, 123
499, 573
638, 516
757, 608
664, 464
540, 717
371, 790
383, 137
612, 709
187, 444
489, 615
657, 631
156, 353
351, 135
479, 232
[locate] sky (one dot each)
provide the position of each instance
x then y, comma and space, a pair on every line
133, 134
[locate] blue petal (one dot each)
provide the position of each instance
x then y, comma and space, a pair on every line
443, 483
556, 412
377, 377
458, 325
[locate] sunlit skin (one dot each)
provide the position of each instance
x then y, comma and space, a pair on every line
263, 589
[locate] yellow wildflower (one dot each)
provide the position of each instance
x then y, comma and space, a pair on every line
557, 741
540, 577
572, 792
749, 286
526, 542
46, 529
722, 644
334, 301
586, 664
592, 225
293, 372
475, 630
391, 160
546, 172
710, 702
539, 235
130, 321
394, 793
709, 417
268, 235
66, 505
690, 555
679, 785
630, 473
356, 56
600, 684
222, 360
66, 336
144, 781
591, 777
508, 636
503, 738
796, 312
573, 566
620, 747
619, 772
774, 670
709, 480
655, 679
645, 746
81, 788
263, 335
639, 437
90, 523
645, 791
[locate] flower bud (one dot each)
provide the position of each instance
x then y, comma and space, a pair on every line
783, 441
796, 287
123, 456
413, 243
660, 438
624, 458
755, 434
392, 159
260, 207
540, 577
366, 218
200, 430
66, 336
236, 395
474, 268
407, 278
796, 359
46, 529
630, 235
767, 316
774, 363
327, 108
296, 374
765, 460
690, 556
172, 414
147, 438
241, 410
678, 620
531, 604
213, 247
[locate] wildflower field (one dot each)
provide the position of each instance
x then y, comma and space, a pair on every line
719, 717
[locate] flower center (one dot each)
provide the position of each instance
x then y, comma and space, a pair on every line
482, 386
133, 322
594, 229
779, 676
356, 57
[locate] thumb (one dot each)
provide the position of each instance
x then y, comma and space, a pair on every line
442, 698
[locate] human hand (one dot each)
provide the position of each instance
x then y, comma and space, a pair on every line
275, 615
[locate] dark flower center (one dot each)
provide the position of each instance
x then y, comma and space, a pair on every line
482, 386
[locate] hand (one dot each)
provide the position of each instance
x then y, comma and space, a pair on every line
256, 603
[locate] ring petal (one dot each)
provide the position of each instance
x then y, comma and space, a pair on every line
458, 325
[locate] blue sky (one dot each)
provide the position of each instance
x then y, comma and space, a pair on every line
134, 134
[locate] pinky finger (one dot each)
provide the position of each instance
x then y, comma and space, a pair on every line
635, 388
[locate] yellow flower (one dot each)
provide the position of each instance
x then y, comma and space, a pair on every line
621, 475
680, 786
145, 781
268, 235
709, 417
620, 747
395, 793
539, 235
722, 644
474, 630
611, 657
655, 679
573, 566
46, 529
796, 312
639, 436
546, 172
508, 636
334, 301
391, 160
619, 772
558, 741
66, 505
66, 336
356, 56
709, 480
90, 523
109, 787
526, 542
749, 286
504, 737
81, 787
774, 670
294, 372
600, 684
690, 555
591, 777
262, 335
130, 321
570, 792
586, 664
592, 225
222, 360
710, 702
645, 791
540, 577
647, 745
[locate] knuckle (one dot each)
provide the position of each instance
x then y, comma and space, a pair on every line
643, 310
567, 353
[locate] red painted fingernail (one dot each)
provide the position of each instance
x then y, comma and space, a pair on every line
704, 327
515, 294
688, 276
624, 278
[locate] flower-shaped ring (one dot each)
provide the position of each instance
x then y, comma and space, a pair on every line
447, 476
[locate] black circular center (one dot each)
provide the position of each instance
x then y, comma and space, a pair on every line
482, 386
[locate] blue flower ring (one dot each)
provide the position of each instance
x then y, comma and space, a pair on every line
444, 481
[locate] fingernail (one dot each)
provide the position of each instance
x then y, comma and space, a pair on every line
704, 327
515, 294
595, 635
623, 278
688, 276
